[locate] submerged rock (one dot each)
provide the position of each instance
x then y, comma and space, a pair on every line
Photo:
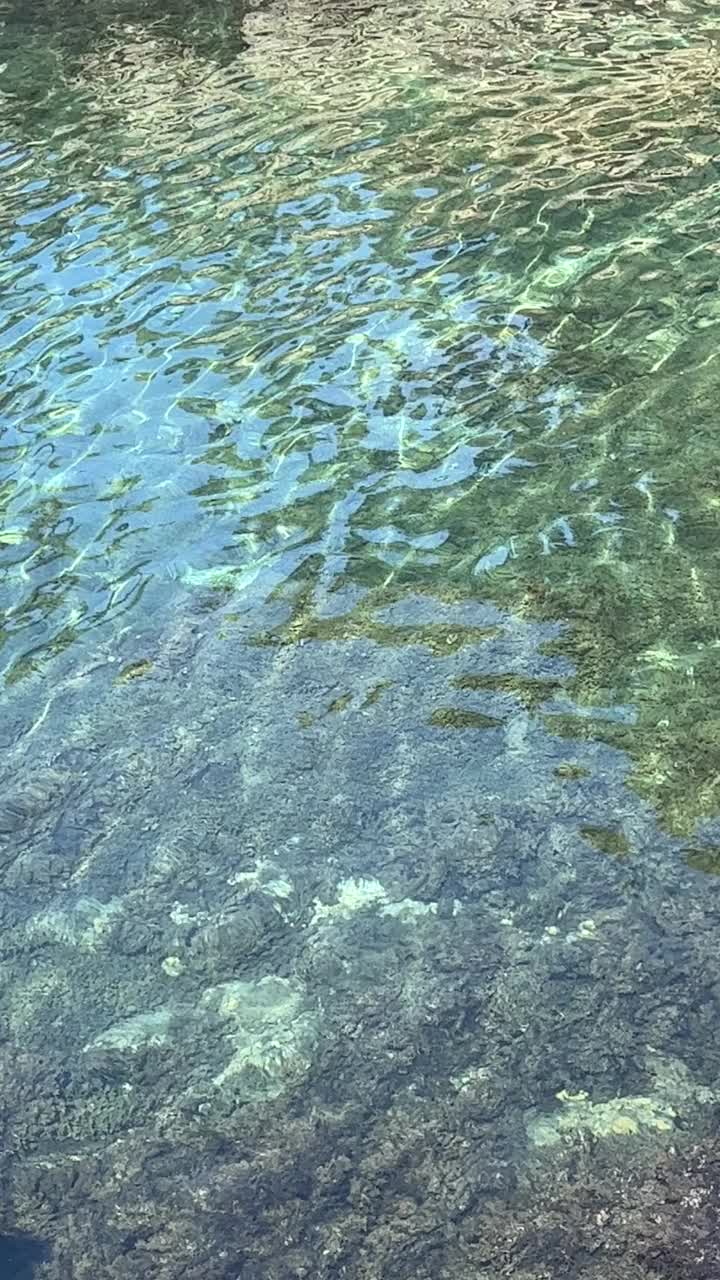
273, 1034
235, 939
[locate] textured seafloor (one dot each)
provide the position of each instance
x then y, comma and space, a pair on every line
323, 958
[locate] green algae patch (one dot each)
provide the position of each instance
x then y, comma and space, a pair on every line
674, 1097
620, 1117
341, 703
440, 638
12, 537
649, 643
462, 718
23, 668
376, 693
530, 693
703, 858
607, 840
119, 486
135, 671
358, 894
569, 771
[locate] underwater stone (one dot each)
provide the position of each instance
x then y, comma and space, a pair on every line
28, 804
136, 1032
618, 1117
273, 1035
131, 935
87, 924
238, 936
266, 875
356, 894
36, 866
12, 816
675, 1094
255, 1038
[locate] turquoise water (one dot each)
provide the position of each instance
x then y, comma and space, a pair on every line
359, 513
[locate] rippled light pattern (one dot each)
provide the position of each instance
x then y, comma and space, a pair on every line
359, 527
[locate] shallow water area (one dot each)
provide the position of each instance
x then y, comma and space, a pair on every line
358, 564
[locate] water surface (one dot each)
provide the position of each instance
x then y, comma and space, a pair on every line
358, 540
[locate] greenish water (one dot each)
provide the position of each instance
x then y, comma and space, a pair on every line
359, 515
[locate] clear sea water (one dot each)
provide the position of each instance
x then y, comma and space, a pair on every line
359, 640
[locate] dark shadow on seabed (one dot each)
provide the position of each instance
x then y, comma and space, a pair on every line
19, 1256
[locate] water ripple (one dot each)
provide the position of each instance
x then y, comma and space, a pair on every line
409, 296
